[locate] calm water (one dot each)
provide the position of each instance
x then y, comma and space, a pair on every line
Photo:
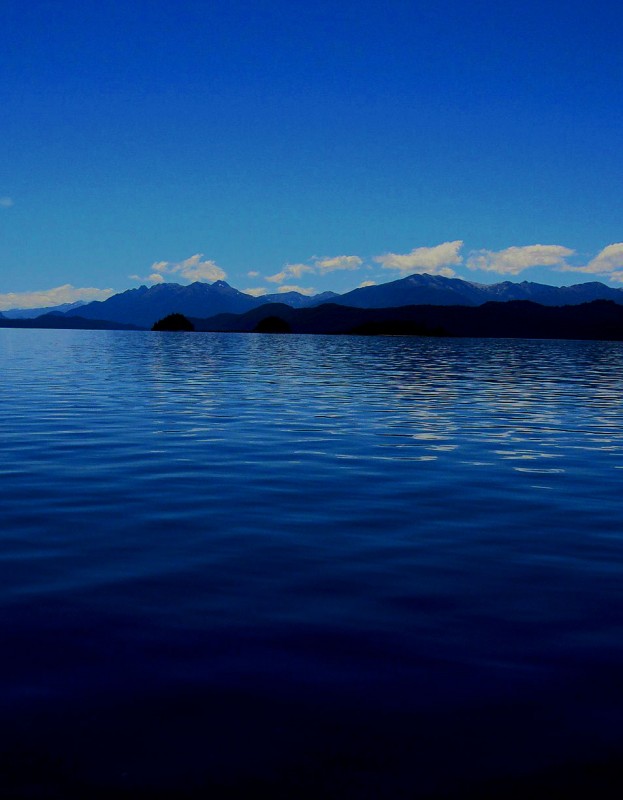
313, 566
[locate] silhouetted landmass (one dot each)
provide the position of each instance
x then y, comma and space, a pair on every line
395, 328
272, 325
60, 322
174, 322
601, 319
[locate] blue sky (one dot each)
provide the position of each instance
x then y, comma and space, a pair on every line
322, 144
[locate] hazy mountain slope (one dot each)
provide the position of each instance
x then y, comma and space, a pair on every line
31, 313
298, 300
323, 297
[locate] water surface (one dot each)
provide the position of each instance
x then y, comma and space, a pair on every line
308, 565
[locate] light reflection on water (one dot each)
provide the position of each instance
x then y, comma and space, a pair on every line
398, 528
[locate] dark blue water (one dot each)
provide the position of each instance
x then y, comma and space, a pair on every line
309, 566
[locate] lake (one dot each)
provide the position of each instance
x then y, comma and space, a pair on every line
309, 566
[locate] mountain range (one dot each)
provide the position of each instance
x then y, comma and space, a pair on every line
436, 290
145, 305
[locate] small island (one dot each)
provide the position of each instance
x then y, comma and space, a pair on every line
173, 322
272, 324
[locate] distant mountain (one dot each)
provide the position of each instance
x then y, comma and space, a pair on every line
415, 290
599, 319
298, 300
146, 305
31, 313
439, 291
546, 295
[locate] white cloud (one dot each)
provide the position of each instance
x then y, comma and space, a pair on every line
191, 269
278, 277
155, 277
6, 202
51, 297
608, 262
319, 265
194, 269
433, 260
366, 283
616, 276
299, 289
257, 292
514, 260
337, 262
610, 259
289, 271
253, 273
296, 270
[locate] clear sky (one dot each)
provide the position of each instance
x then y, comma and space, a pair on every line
322, 144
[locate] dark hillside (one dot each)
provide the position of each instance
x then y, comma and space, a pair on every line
601, 319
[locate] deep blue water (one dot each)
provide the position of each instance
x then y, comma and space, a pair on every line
309, 566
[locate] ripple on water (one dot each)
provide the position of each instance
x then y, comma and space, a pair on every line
403, 526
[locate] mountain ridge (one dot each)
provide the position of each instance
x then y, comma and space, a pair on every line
143, 306
437, 290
